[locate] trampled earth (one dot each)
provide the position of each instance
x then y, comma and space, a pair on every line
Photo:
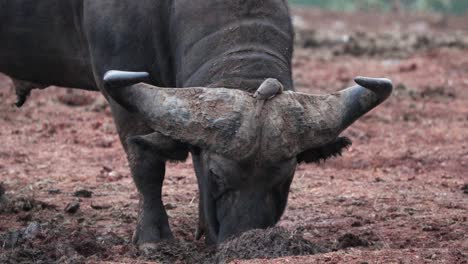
398, 195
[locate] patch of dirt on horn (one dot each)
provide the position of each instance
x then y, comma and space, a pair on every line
270, 243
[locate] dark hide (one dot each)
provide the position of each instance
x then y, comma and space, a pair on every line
238, 44
43, 42
231, 44
206, 43
167, 148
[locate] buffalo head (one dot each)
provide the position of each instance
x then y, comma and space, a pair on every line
245, 157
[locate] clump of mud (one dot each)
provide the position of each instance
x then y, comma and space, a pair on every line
176, 252
271, 243
22, 204
350, 240
266, 244
53, 242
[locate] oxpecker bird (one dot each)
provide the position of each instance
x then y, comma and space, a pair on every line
267, 90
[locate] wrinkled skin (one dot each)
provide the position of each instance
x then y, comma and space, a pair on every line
185, 43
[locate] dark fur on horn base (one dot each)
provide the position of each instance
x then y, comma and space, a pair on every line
327, 151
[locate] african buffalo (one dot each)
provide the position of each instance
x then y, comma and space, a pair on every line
245, 148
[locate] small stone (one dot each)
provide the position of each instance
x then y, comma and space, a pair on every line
53, 191
105, 142
170, 206
106, 169
83, 193
72, 207
465, 188
96, 125
100, 206
408, 67
115, 176
32, 230
341, 199
430, 228
109, 174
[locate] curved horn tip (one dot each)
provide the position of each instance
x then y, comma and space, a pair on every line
381, 86
123, 78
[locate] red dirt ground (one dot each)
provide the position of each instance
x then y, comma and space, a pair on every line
401, 189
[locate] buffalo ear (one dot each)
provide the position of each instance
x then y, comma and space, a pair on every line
163, 146
324, 152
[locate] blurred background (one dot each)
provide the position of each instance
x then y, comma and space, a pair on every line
444, 6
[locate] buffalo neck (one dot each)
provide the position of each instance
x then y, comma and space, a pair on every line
233, 44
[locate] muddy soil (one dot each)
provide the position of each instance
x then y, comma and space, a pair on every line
398, 195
